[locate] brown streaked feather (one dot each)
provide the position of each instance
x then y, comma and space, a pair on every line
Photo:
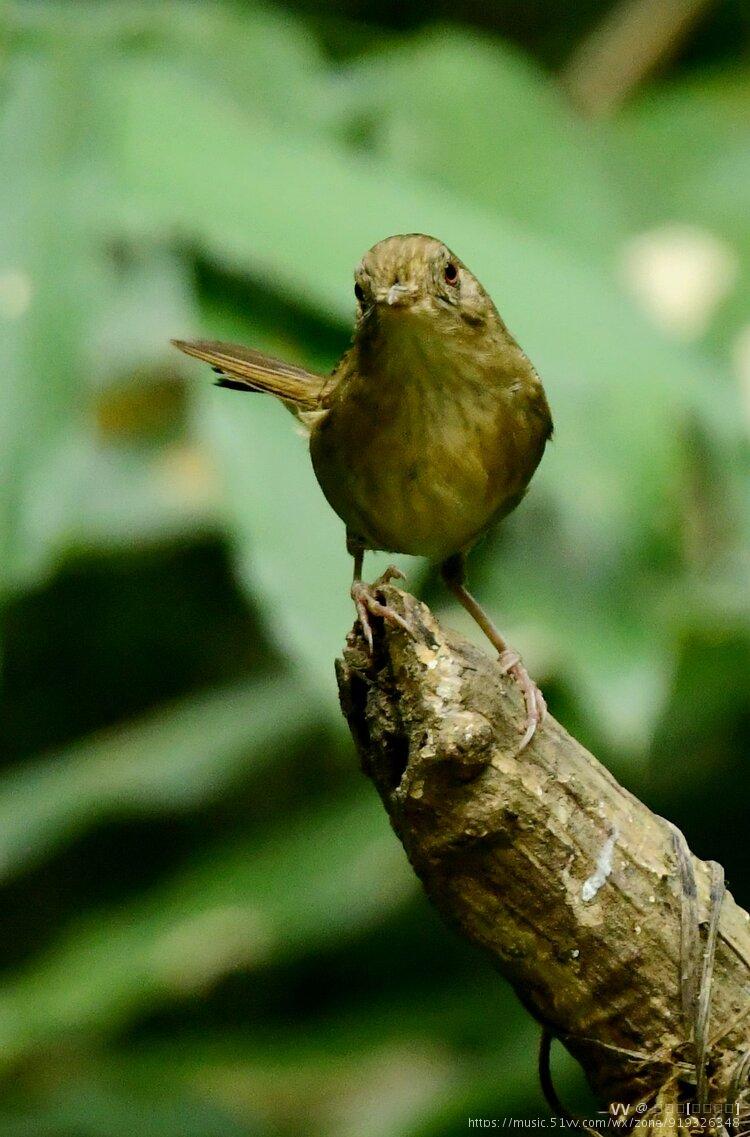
245, 369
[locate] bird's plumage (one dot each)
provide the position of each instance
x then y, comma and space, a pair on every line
245, 369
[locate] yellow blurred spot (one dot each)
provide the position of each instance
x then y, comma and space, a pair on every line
144, 408
16, 291
680, 274
187, 474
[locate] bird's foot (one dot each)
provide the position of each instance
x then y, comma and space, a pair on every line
367, 604
536, 707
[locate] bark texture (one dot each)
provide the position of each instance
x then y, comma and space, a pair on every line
542, 859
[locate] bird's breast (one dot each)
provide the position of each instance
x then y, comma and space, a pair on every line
422, 454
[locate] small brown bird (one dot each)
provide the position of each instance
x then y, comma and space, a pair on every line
428, 430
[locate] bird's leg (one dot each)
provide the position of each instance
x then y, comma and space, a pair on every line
365, 595
453, 573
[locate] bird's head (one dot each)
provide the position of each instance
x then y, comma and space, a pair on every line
417, 279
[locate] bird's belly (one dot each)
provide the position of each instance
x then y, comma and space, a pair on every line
419, 514
409, 482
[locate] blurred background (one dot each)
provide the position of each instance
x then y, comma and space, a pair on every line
207, 928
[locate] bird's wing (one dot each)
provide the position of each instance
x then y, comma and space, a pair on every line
244, 369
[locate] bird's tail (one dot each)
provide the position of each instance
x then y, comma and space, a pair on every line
244, 369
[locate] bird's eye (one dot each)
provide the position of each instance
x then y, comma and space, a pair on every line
359, 292
450, 273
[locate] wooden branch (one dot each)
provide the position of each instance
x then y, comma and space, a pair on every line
579, 893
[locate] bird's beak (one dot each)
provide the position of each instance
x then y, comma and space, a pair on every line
400, 295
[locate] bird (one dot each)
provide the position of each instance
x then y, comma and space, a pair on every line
425, 434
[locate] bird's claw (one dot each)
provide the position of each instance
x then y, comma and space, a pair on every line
367, 604
536, 707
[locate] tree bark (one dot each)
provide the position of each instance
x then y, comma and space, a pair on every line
579, 893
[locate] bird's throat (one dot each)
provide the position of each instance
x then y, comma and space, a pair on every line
407, 357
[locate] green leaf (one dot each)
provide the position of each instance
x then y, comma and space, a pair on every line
46, 280
478, 118
603, 633
684, 154
291, 547
174, 759
319, 880
264, 59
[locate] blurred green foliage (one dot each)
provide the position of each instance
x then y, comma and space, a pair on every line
207, 927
